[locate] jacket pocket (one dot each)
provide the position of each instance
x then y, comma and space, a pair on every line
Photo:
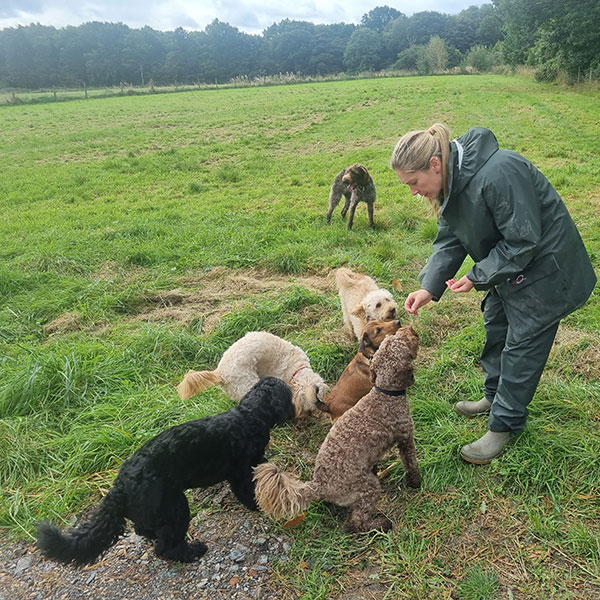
536, 298
541, 268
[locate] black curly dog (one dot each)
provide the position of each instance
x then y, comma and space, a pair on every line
149, 488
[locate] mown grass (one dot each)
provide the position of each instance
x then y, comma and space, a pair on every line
110, 204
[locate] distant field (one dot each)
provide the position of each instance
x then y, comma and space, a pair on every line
142, 235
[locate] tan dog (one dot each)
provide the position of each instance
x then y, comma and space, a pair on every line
362, 301
355, 381
344, 467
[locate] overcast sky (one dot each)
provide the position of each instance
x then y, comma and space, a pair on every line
251, 16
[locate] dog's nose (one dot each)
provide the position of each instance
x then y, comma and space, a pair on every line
398, 323
392, 312
408, 330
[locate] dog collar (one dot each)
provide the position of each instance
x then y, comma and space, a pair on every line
390, 392
297, 371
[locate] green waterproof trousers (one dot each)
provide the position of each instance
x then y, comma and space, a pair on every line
512, 367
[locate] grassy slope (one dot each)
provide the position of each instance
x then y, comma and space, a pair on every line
108, 203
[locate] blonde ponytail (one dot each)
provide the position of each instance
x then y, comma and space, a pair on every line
414, 151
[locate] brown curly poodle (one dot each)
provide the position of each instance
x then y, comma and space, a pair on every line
344, 468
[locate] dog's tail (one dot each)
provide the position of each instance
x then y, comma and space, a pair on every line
196, 381
345, 277
280, 494
84, 544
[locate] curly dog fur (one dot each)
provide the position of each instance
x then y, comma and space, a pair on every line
260, 354
362, 301
355, 381
356, 185
149, 489
344, 467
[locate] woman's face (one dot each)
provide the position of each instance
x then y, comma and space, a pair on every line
426, 182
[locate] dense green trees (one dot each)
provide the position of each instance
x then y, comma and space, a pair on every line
560, 34
363, 51
379, 17
550, 34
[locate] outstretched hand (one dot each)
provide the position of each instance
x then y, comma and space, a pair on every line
464, 284
415, 300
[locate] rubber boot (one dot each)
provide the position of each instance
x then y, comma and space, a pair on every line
486, 448
473, 409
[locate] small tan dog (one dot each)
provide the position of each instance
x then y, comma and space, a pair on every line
362, 301
355, 381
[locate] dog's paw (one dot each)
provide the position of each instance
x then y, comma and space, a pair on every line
413, 480
197, 549
366, 523
182, 552
381, 523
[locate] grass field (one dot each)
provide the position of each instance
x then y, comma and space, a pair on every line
141, 236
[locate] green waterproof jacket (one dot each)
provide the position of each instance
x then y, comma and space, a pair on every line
505, 214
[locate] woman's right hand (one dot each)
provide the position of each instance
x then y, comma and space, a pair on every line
415, 300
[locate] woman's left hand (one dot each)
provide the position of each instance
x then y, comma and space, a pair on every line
464, 284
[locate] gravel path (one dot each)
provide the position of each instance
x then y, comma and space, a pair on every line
242, 548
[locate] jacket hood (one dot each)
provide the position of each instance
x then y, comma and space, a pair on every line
468, 154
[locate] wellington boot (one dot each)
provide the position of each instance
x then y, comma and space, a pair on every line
485, 448
473, 409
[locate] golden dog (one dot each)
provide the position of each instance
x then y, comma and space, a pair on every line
362, 301
355, 381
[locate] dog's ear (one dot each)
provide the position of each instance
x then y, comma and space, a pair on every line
307, 399
364, 340
363, 175
359, 311
406, 378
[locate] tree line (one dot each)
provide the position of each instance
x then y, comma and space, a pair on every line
551, 35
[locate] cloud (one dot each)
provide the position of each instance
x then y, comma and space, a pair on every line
251, 16
13, 8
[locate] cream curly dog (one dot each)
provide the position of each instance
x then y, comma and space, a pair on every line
362, 300
260, 354
344, 467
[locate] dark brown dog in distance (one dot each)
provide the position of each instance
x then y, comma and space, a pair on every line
356, 185
355, 381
